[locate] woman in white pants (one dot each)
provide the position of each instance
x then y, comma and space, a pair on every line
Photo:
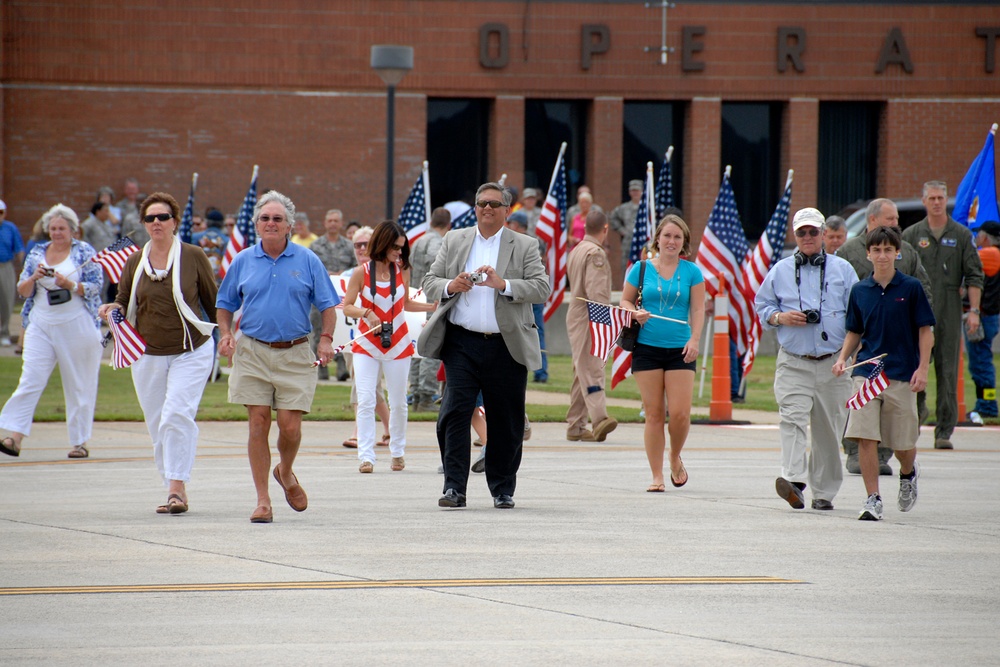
62, 291
384, 343
163, 291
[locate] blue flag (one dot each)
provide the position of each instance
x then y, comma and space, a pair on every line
976, 200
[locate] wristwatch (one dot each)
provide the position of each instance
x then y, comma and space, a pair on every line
774, 319
974, 310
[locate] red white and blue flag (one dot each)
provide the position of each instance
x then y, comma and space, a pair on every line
874, 384
129, 345
606, 322
113, 257
551, 229
416, 214
187, 218
665, 185
466, 220
244, 235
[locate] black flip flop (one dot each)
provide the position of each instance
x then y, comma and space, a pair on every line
10, 451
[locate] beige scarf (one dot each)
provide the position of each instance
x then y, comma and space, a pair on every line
183, 310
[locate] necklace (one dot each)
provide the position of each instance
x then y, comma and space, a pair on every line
659, 289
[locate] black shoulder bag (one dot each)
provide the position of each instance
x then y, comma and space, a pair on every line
630, 334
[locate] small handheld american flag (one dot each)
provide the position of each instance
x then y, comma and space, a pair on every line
606, 322
874, 384
113, 257
129, 345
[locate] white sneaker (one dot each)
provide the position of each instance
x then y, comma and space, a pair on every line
872, 510
5, 341
908, 490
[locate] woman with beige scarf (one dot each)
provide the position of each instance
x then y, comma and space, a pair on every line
164, 291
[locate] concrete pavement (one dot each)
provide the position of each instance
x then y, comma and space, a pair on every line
588, 569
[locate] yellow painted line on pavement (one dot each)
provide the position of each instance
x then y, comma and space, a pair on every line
397, 583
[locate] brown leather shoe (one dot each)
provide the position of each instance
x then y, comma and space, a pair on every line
397, 463
262, 514
295, 496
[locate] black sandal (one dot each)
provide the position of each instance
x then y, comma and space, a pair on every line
13, 450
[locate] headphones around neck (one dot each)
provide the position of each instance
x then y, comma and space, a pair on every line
819, 259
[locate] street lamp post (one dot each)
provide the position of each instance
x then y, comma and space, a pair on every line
391, 63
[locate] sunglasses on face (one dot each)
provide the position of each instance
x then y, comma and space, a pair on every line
803, 231
268, 218
361, 245
489, 203
162, 217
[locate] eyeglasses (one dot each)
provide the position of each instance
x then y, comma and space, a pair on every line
483, 203
268, 218
361, 245
399, 247
811, 231
162, 217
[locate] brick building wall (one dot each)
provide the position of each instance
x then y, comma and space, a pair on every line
97, 91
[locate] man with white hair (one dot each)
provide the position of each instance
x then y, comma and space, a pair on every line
805, 297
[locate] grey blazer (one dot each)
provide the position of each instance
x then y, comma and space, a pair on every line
519, 264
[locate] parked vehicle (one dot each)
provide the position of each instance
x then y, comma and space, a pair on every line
911, 211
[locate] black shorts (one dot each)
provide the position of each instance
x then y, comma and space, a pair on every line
651, 358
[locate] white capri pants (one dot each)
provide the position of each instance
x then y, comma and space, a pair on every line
169, 390
74, 345
366, 372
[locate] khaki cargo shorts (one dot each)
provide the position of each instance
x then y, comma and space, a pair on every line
283, 379
890, 418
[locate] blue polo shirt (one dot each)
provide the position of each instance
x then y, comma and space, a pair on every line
10, 241
889, 322
276, 294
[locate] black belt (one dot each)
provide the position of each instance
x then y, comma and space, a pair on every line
281, 344
476, 334
811, 357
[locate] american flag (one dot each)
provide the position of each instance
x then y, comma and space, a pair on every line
665, 185
765, 254
244, 235
466, 220
606, 322
184, 231
723, 250
621, 367
874, 384
129, 345
551, 229
113, 257
416, 214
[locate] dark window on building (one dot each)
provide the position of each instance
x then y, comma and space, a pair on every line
751, 143
457, 140
548, 123
848, 154
650, 128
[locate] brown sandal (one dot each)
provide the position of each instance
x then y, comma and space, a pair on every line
175, 505
384, 442
78, 452
351, 443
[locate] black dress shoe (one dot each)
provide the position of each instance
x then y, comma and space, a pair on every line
790, 492
503, 502
820, 504
452, 498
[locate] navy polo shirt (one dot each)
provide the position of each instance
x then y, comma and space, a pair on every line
889, 322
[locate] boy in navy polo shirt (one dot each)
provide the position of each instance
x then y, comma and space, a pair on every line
888, 313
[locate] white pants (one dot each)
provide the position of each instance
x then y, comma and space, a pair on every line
366, 372
169, 390
76, 347
810, 396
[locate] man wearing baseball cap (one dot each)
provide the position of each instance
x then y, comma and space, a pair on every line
11, 253
804, 297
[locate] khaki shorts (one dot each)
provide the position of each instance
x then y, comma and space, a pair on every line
890, 418
282, 379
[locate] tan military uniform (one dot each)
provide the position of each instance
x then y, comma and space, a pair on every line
589, 274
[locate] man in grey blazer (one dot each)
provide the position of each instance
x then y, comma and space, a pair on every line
486, 279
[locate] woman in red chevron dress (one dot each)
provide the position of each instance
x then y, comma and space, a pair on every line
384, 344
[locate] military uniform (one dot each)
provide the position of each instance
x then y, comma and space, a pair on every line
622, 221
907, 262
948, 260
423, 371
589, 274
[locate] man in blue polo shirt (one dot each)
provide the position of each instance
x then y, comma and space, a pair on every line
276, 282
11, 253
888, 314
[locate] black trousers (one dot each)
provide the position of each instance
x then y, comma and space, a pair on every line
476, 363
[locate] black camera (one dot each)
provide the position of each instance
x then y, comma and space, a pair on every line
812, 316
385, 336
48, 271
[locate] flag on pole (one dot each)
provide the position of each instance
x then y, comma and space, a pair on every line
765, 254
874, 384
416, 214
129, 345
466, 220
551, 229
976, 199
187, 218
665, 185
113, 257
606, 322
244, 235
723, 250
621, 367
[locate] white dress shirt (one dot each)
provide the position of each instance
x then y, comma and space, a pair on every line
476, 309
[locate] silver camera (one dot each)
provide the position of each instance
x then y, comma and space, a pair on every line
477, 277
